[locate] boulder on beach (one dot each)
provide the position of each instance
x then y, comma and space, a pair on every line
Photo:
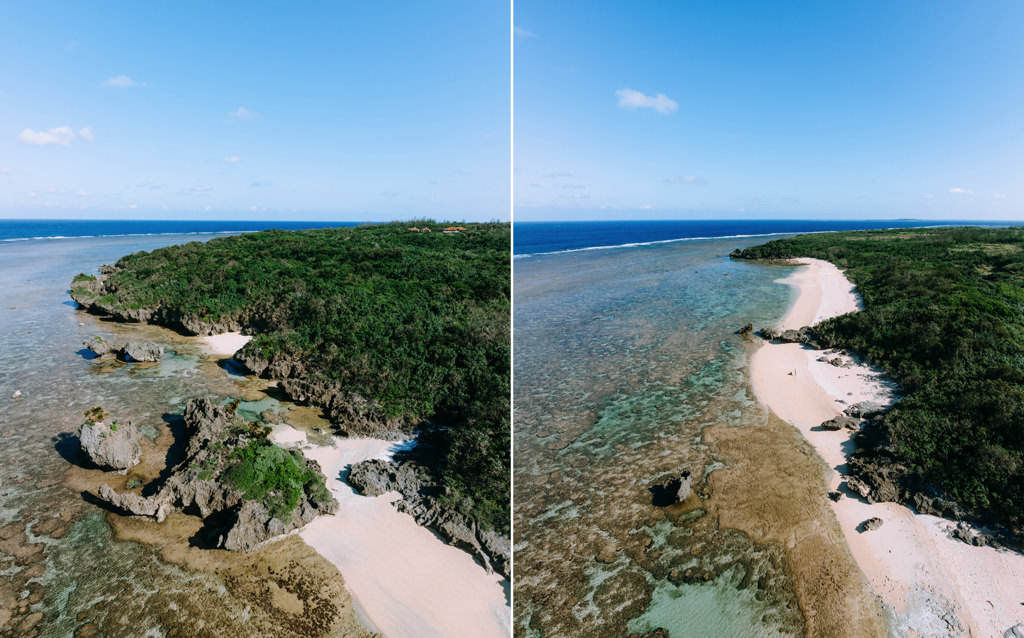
111, 446
872, 523
840, 422
865, 409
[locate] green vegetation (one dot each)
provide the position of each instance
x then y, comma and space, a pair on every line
275, 476
417, 322
944, 315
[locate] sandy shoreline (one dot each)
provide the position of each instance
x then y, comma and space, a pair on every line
405, 580
227, 343
932, 585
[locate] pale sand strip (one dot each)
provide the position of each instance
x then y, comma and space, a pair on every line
227, 343
404, 579
913, 566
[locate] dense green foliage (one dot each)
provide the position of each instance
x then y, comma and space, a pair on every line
276, 477
944, 315
417, 322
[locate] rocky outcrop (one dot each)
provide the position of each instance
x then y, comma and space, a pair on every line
141, 351
421, 499
353, 414
805, 335
111, 446
198, 485
872, 523
840, 422
865, 410
95, 296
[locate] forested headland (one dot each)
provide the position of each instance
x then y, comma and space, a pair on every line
944, 316
377, 324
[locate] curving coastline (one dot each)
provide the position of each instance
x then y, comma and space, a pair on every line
930, 584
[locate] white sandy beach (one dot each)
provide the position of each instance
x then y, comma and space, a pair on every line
934, 585
227, 343
405, 580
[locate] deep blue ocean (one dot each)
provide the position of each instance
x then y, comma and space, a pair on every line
533, 238
27, 229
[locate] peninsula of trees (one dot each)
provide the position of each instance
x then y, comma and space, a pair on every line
944, 316
384, 327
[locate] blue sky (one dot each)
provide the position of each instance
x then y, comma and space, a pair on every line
769, 110
346, 111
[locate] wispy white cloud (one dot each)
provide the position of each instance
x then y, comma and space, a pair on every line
242, 113
956, 190
86, 133
151, 185
929, 196
6, 171
201, 189
998, 196
523, 33
233, 159
687, 179
123, 82
574, 186
559, 174
630, 99
61, 135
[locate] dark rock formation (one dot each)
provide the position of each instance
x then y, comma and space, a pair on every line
420, 498
963, 533
870, 524
835, 496
746, 330
111, 446
840, 422
865, 410
197, 485
674, 490
353, 414
142, 351
805, 335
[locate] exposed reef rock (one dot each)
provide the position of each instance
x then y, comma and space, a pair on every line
219, 442
805, 335
351, 413
111, 446
142, 351
675, 489
840, 422
421, 498
872, 523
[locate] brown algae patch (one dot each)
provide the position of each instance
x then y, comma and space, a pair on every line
773, 487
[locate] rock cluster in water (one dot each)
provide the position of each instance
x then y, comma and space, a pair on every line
198, 484
141, 351
113, 445
420, 498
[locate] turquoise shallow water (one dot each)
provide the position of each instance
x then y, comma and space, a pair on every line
85, 575
622, 357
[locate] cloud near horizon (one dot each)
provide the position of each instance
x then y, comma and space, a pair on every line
232, 159
242, 113
57, 136
630, 99
122, 82
523, 33
956, 190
